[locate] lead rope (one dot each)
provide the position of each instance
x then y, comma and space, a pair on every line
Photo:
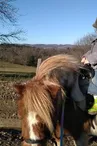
62, 119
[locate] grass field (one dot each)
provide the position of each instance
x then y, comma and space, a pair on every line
9, 67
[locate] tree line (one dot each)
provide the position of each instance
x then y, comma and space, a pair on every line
28, 55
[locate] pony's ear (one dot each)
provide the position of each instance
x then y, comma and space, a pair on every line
54, 89
19, 88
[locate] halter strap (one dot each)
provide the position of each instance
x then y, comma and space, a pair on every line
39, 141
62, 122
32, 141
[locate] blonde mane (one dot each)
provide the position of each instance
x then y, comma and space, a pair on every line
64, 62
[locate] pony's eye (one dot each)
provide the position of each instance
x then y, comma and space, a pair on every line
83, 77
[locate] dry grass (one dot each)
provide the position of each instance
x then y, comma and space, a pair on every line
8, 106
9, 67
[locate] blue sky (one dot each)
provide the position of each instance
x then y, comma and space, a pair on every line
56, 21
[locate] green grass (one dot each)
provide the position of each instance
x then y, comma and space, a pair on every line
10, 67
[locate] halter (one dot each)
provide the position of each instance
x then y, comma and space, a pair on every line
39, 141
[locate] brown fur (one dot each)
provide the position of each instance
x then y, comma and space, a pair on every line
87, 126
25, 131
39, 130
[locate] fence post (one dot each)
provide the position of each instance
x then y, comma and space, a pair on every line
38, 64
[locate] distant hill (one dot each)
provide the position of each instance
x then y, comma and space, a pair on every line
46, 46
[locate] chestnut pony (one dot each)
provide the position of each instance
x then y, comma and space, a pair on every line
40, 103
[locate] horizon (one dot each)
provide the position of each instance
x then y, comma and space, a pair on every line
31, 44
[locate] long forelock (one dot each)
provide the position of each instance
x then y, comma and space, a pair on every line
37, 99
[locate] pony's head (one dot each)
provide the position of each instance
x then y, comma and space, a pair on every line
40, 99
36, 110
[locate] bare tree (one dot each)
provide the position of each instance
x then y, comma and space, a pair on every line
87, 39
83, 45
11, 36
8, 16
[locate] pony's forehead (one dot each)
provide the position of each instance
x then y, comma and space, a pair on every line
28, 83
